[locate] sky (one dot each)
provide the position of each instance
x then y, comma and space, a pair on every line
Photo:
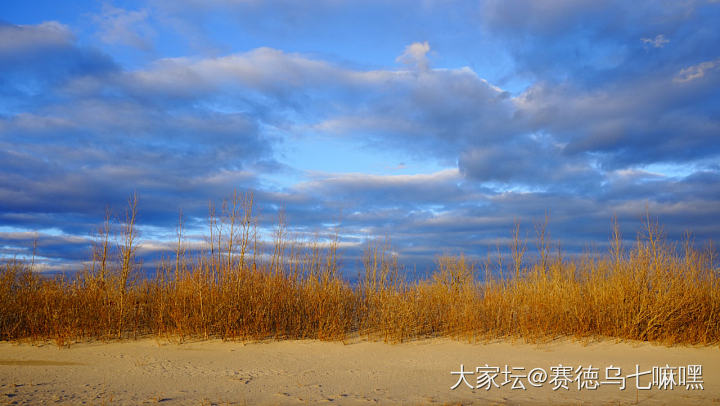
437, 124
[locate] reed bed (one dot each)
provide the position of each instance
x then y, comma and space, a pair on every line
651, 291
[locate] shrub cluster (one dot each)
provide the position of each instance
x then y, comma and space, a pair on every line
653, 291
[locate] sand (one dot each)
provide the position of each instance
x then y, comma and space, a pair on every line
351, 373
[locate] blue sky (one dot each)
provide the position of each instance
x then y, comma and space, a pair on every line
438, 123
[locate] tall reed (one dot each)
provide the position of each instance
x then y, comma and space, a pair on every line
236, 289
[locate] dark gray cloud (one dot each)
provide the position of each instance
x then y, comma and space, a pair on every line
587, 41
458, 216
532, 161
33, 57
653, 119
90, 139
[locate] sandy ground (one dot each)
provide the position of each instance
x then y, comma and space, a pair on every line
357, 373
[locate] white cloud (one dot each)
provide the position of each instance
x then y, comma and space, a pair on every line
14, 38
420, 179
658, 42
696, 71
125, 27
262, 69
415, 55
366, 186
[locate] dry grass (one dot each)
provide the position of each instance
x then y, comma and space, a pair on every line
653, 291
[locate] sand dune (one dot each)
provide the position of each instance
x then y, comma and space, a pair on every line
351, 373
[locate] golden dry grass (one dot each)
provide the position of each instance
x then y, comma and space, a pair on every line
653, 291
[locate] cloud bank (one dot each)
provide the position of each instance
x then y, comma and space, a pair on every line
591, 116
